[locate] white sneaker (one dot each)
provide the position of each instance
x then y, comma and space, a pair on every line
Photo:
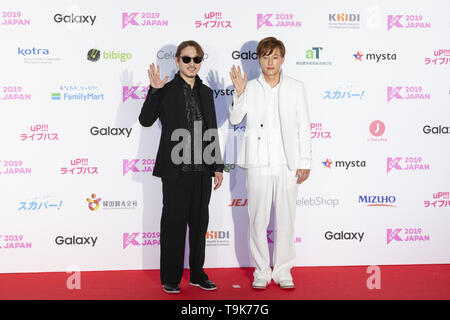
259, 284
287, 284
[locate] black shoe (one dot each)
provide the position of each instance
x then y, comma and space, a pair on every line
205, 285
168, 288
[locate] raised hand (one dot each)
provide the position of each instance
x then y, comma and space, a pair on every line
155, 78
239, 82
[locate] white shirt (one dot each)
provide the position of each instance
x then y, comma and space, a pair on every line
277, 156
294, 119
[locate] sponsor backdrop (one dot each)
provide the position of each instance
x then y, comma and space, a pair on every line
77, 190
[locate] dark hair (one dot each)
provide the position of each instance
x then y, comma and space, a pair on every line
190, 43
267, 45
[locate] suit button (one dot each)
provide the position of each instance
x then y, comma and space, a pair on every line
261, 124
259, 138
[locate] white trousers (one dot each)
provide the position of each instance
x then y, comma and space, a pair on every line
264, 186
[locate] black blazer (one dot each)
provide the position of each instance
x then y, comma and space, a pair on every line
168, 104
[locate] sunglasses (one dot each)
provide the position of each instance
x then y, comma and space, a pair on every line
187, 60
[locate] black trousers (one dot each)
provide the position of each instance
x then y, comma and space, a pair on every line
185, 203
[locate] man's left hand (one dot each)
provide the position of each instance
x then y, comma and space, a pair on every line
218, 177
302, 175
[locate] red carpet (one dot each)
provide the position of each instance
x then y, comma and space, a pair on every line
397, 282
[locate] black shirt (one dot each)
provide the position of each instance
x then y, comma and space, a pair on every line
194, 117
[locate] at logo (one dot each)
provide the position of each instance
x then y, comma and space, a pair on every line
313, 53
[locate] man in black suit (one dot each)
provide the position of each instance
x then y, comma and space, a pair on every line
185, 107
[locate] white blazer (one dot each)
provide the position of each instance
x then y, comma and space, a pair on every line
294, 122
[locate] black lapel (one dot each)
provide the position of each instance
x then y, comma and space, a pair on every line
180, 107
206, 106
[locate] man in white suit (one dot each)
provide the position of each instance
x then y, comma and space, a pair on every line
276, 153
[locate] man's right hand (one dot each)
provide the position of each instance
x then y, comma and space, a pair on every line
239, 82
155, 78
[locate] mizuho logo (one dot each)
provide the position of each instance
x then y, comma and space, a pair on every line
378, 201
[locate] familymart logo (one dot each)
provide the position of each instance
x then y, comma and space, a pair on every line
71, 92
